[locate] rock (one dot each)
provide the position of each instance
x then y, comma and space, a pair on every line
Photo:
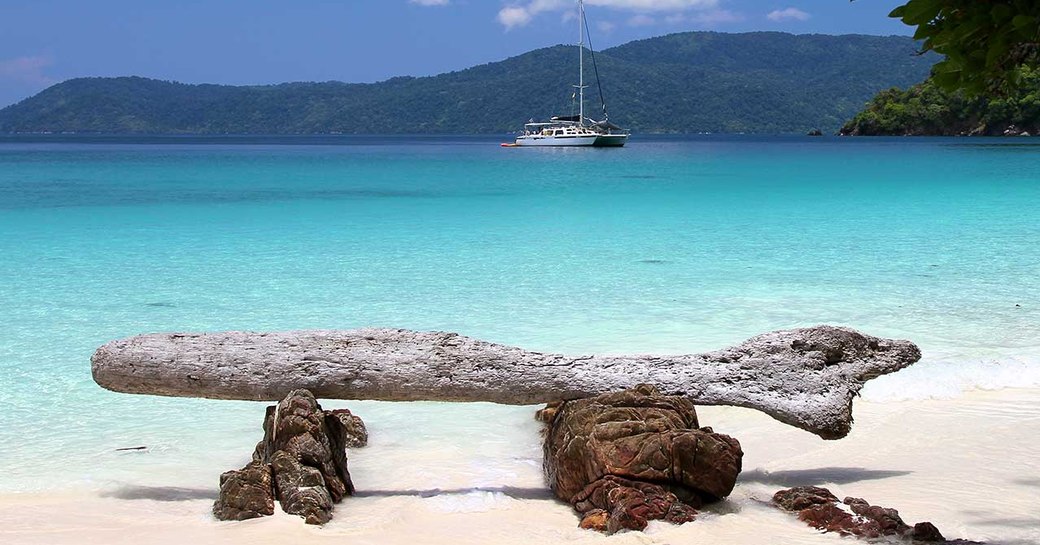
887, 519
612, 504
595, 519
926, 531
820, 509
803, 497
316, 439
301, 489
828, 517
355, 433
815, 132
636, 455
301, 461
803, 377
245, 494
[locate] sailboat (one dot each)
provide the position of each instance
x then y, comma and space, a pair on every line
576, 130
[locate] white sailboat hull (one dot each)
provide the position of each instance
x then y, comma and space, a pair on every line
574, 130
557, 141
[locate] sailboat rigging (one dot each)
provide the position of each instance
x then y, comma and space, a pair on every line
576, 130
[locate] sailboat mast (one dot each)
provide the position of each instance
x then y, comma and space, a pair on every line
581, 62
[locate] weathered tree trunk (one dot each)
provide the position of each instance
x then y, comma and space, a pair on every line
803, 377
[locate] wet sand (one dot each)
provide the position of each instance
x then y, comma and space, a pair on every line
971, 465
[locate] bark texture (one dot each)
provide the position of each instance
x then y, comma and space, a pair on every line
803, 377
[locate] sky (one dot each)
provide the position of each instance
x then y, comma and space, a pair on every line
43, 42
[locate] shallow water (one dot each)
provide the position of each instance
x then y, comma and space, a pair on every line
667, 245
965, 464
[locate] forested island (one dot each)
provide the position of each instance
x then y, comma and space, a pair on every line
695, 82
926, 109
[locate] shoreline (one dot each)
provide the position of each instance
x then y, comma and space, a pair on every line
914, 456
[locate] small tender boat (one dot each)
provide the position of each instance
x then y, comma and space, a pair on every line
577, 130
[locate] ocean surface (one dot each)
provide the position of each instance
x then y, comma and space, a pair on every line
667, 245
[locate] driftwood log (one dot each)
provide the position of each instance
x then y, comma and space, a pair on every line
803, 377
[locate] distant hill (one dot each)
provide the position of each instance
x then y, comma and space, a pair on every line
761, 82
926, 110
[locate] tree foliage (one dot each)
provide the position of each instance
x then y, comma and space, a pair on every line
763, 82
928, 109
986, 42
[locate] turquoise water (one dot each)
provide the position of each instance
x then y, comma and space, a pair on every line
667, 245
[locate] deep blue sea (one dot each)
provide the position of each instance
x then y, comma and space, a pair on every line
666, 245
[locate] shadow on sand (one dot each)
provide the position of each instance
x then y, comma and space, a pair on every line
817, 476
172, 493
160, 493
514, 492
799, 477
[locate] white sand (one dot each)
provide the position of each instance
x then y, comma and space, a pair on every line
970, 465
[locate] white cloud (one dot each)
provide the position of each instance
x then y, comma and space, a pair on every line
641, 20
520, 14
654, 5
605, 26
716, 17
704, 19
27, 70
430, 2
513, 16
788, 14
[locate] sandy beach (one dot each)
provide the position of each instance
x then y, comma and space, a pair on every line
967, 464
424, 212
455, 237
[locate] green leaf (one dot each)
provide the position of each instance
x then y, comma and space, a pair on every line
947, 79
997, 51
1000, 13
919, 12
924, 32
945, 67
1022, 22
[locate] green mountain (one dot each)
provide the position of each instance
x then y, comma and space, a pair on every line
761, 82
927, 110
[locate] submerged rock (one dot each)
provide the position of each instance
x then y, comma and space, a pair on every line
301, 462
820, 509
803, 497
625, 458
